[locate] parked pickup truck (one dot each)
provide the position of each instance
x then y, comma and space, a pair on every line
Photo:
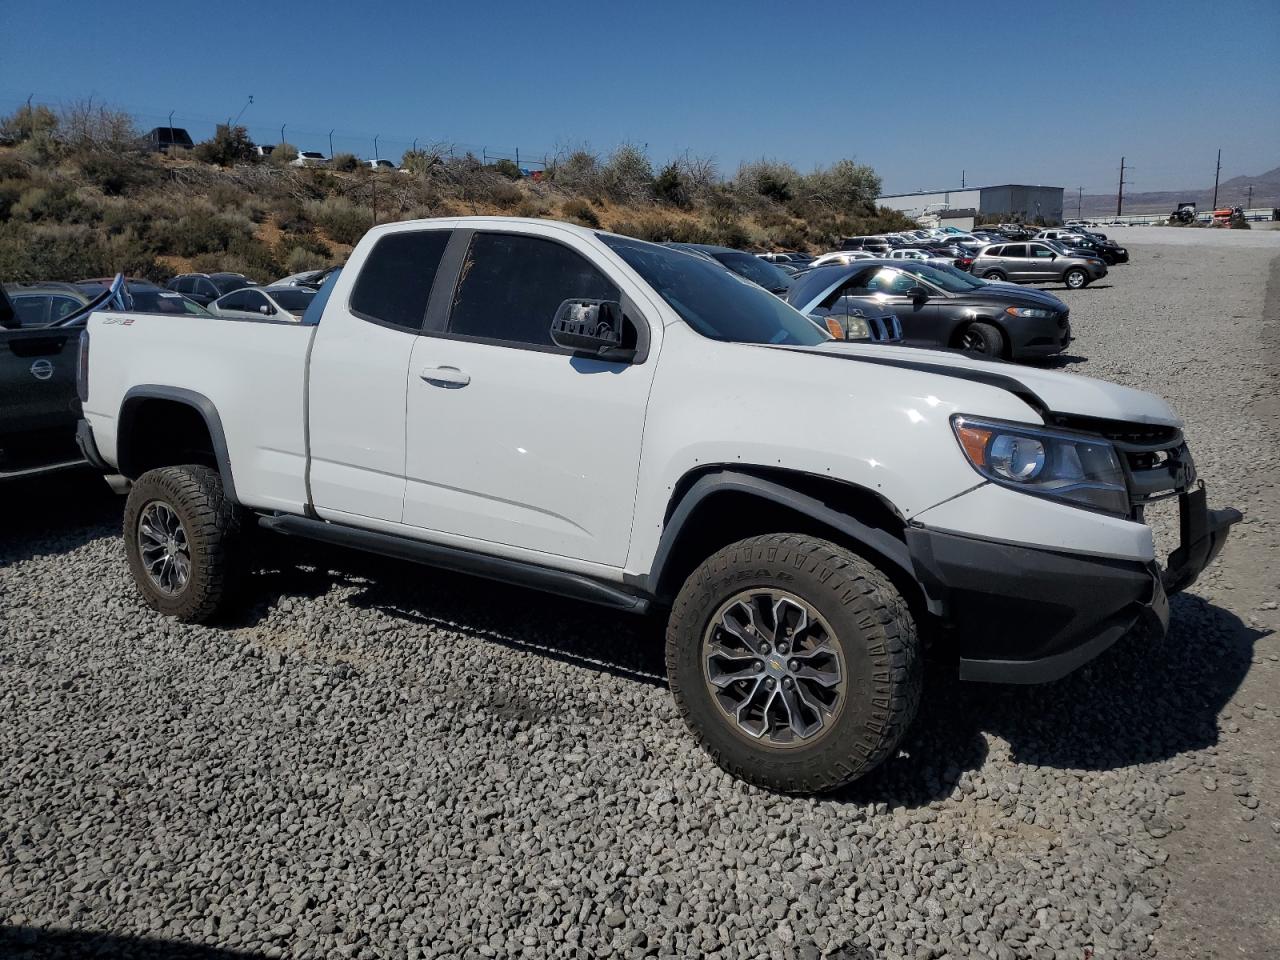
619, 422
38, 409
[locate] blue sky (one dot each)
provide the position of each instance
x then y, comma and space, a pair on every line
1035, 93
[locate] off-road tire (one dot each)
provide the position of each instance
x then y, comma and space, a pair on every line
872, 625
989, 340
994, 275
1081, 281
213, 530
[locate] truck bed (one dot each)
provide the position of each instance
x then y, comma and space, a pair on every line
252, 372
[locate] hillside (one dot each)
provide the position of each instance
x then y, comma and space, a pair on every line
1233, 192
78, 199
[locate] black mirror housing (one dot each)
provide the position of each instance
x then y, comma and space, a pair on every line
591, 328
918, 293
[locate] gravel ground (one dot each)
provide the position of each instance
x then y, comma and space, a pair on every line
379, 760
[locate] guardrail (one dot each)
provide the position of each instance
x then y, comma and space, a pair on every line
1253, 215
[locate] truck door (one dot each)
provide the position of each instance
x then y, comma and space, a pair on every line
513, 440
356, 378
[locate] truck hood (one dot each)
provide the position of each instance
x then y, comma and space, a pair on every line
1058, 392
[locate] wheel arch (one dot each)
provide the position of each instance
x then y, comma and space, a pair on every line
717, 505
158, 404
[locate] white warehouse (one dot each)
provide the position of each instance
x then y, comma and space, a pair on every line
1022, 201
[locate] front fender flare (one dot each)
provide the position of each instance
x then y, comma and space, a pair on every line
721, 481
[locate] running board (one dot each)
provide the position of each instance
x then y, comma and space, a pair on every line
560, 582
43, 469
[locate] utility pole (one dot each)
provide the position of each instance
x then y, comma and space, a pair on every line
330, 144
1248, 204
1120, 192
962, 173
1216, 172
1079, 201
375, 153
171, 127
282, 126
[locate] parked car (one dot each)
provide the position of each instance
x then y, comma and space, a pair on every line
309, 158
263, 149
378, 164
744, 264
802, 259
308, 278
841, 257
145, 296
204, 288
164, 139
876, 245
553, 406
285, 303
44, 304
38, 411
1037, 262
942, 308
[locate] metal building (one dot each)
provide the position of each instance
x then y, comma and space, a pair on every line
1018, 200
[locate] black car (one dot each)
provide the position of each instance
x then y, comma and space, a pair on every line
768, 275
1109, 250
940, 307
204, 288
870, 244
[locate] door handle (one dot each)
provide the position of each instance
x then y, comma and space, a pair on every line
450, 377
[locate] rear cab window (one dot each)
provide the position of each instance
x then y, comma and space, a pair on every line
394, 283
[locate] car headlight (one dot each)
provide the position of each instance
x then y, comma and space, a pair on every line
1097, 263
856, 328
1034, 312
1077, 468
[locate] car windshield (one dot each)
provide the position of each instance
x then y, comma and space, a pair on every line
713, 300
293, 299
948, 278
754, 269
227, 284
165, 301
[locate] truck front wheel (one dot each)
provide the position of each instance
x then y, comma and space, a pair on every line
794, 662
180, 536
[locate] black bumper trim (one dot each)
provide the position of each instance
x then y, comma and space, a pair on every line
89, 449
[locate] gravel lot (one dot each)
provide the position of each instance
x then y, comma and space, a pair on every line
379, 760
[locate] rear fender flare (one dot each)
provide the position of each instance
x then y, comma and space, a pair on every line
196, 401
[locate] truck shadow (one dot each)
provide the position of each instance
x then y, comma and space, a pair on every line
55, 514
33, 943
1142, 701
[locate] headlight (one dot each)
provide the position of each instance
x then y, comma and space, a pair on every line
1034, 312
856, 328
1076, 468
1097, 263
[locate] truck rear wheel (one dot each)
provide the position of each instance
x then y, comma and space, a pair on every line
794, 662
181, 535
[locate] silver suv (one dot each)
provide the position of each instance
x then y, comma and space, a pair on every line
1037, 261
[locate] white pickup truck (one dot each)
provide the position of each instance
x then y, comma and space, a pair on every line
623, 423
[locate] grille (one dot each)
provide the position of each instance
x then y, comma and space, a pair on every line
1155, 459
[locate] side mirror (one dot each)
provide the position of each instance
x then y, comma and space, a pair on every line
591, 328
918, 293
265, 310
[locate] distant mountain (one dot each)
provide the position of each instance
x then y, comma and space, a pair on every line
1233, 192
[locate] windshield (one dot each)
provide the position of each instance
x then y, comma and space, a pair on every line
947, 277
294, 299
316, 308
165, 301
714, 301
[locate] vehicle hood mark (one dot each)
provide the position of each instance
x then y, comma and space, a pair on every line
42, 369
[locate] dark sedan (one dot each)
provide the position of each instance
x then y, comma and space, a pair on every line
940, 307
748, 265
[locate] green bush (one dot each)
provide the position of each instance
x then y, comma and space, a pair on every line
306, 242
114, 174
580, 212
628, 176
282, 154
341, 219
502, 193
71, 252
507, 168
202, 232
52, 202
344, 163
670, 187
298, 259
771, 179
27, 123
227, 146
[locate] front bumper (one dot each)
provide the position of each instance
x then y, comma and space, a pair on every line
1044, 337
1029, 615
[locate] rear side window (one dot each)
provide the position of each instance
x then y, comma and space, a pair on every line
512, 285
1015, 250
394, 284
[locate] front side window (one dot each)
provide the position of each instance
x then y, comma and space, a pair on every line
235, 301
227, 284
394, 284
32, 311
1041, 252
1015, 250
60, 307
511, 285
713, 300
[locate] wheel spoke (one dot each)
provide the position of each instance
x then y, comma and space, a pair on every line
797, 707
823, 678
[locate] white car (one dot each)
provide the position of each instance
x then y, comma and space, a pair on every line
285, 303
309, 158
842, 257
620, 422
378, 164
